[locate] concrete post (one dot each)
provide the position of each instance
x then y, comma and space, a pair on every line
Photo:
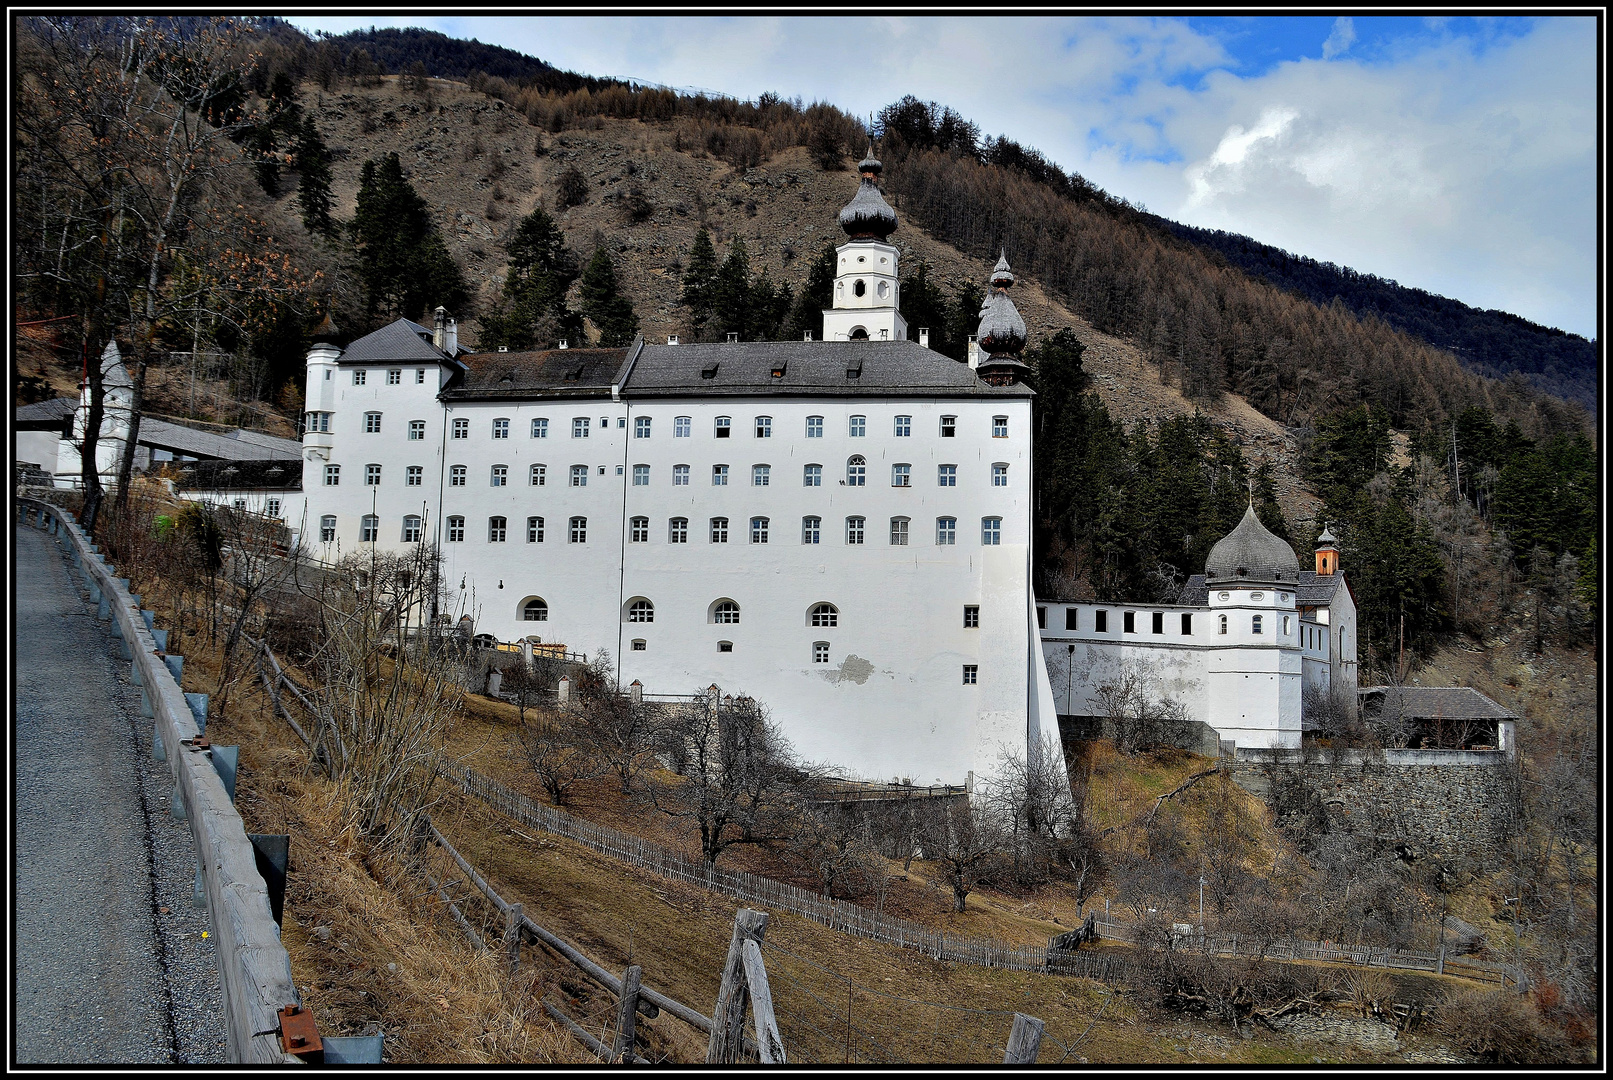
563, 691
526, 654
1506, 736
495, 679
635, 692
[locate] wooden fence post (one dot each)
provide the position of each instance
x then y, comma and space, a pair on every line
769, 1047
513, 918
728, 1018
626, 1024
1024, 1041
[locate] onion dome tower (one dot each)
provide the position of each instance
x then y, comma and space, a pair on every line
1251, 554
1327, 552
867, 282
1002, 331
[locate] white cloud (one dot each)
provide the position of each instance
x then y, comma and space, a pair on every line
1342, 37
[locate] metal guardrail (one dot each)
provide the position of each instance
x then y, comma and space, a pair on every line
254, 969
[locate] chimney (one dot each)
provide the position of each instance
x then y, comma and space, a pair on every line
503, 348
884, 333
807, 336
563, 344
437, 331
672, 339
924, 336
974, 350
452, 336
733, 336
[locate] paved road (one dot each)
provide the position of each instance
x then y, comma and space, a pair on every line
110, 962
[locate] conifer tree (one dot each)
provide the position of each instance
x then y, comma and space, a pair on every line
313, 178
965, 317
730, 294
602, 302
531, 309
403, 262
924, 305
698, 281
817, 293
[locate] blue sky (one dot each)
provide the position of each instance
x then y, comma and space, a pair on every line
1457, 155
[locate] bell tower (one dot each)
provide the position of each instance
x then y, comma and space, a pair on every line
867, 280
1327, 553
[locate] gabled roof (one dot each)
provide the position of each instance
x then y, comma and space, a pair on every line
1434, 702
52, 415
816, 368
1310, 589
543, 373
179, 439
397, 341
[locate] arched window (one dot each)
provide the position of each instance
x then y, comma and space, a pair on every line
496, 528
456, 476
639, 530
456, 529
725, 611
535, 609
825, 615
579, 530
856, 471
858, 333
860, 288
1254, 625
758, 530
1220, 624
641, 610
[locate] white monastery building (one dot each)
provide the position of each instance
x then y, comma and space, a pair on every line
838, 528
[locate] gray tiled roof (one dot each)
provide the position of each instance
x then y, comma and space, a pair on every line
46, 415
207, 444
1443, 702
546, 373
1310, 589
891, 368
288, 447
400, 340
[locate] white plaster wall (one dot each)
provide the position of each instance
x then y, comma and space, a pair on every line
876, 265
39, 447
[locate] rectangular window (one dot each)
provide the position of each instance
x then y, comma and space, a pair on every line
764, 427
1254, 625
1159, 622
719, 476
971, 616
394, 376
999, 427
317, 421
681, 427
947, 476
899, 532
859, 426
372, 476
760, 475
904, 426
372, 423
758, 530
417, 431
999, 476
579, 476
456, 476
540, 428
811, 530
496, 527
639, 645
901, 476
411, 529
333, 475
461, 429
814, 427
812, 476
1101, 622
579, 427
1072, 618
579, 530
501, 476
677, 531
369, 528
327, 528
724, 426
537, 475
621, 422
949, 427
854, 530
358, 377
1041, 617
419, 376
1187, 622
641, 427
719, 530
991, 531
971, 674
1129, 622
820, 652
639, 530
680, 476
238, 504
456, 529
414, 476
946, 530
534, 530
501, 428
641, 476
272, 507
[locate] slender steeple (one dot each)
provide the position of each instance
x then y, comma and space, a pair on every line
1002, 331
